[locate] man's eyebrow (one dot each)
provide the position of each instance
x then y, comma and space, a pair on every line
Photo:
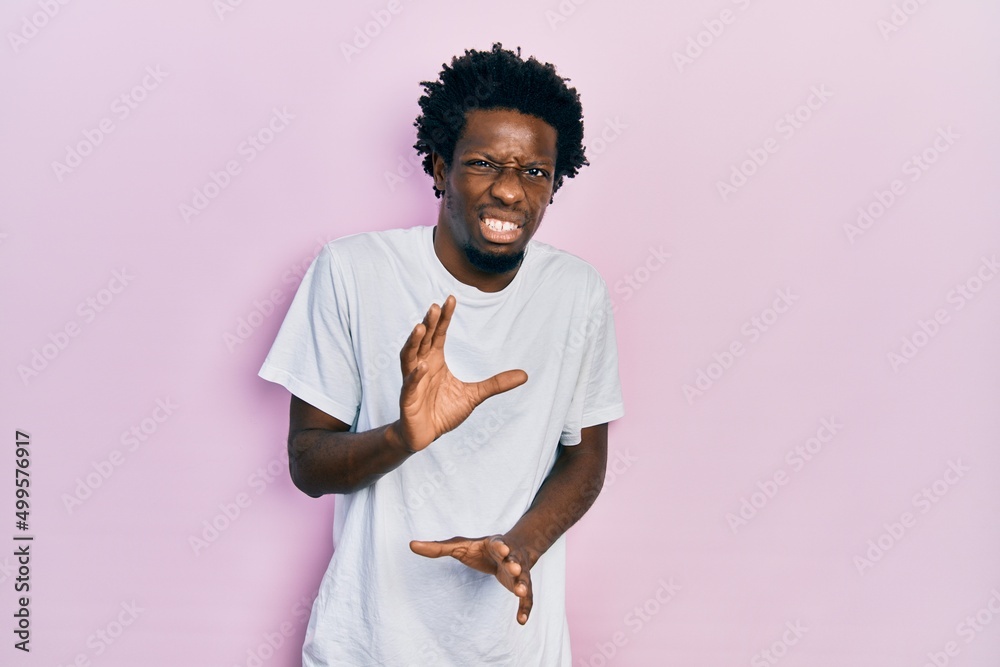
533, 163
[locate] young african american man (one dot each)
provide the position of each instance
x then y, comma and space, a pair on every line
418, 461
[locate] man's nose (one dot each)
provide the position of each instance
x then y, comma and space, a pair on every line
507, 186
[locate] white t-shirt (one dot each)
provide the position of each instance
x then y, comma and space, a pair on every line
338, 350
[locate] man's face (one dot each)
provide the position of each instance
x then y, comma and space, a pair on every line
495, 192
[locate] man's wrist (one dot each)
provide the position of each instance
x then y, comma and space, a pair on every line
527, 542
396, 441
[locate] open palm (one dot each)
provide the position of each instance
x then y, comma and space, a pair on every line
490, 555
433, 401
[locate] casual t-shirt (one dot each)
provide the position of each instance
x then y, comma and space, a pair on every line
338, 350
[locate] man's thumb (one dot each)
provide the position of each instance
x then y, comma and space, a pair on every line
500, 383
428, 549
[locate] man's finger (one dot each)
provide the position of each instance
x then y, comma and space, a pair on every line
447, 310
431, 322
498, 549
411, 380
442, 328
499, 383
408, 355
431, 549
505, 560
523, 591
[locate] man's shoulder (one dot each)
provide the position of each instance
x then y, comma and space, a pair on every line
382, 241
555, 262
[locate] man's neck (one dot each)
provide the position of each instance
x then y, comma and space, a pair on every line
459, 267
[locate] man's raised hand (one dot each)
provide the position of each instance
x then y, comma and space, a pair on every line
433, 401
492, 555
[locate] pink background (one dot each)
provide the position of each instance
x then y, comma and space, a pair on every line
662, 134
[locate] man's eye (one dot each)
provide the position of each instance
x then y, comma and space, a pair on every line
536, 173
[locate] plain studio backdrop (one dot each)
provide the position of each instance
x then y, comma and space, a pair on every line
794, 207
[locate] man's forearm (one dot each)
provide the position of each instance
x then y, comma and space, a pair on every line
568, 491
322, 461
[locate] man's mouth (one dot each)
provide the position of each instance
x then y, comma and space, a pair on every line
497, 230
500, 225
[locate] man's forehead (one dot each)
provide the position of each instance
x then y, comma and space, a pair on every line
507, 129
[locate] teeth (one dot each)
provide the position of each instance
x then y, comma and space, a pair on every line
499, 226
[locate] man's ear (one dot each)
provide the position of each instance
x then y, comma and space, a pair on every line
440, 170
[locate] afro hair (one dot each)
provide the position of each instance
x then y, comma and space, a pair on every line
499, 79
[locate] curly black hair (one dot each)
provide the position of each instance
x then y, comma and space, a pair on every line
499, 79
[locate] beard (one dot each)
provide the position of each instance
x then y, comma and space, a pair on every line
489, 262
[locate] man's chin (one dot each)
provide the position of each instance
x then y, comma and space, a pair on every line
489, 262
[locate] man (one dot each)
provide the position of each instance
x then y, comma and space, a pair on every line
422, 468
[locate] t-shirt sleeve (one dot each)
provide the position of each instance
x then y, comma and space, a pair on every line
598, 395
313, 354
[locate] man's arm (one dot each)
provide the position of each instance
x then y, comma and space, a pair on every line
324, 457
568, 491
